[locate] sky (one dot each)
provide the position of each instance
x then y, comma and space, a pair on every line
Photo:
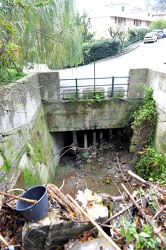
89, 5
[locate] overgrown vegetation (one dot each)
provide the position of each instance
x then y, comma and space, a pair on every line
152, 165
145, 118
149, 164
97, 96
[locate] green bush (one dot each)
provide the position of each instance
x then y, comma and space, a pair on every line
100, 49
151, 165
136, 32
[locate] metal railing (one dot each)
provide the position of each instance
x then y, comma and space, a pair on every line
132, 40
88, 88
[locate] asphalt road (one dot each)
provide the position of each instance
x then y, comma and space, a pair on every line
150, 55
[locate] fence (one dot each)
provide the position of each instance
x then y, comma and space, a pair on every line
88, 88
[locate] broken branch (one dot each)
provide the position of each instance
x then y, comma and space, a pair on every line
138, 178
95, 224
116, 215
159, 212
3, 240
19, 198
64, 201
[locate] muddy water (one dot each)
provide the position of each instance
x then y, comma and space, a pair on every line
101, 171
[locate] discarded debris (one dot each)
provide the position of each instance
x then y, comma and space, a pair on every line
152, 212
64, 202
19, 198
95, 224
133, 219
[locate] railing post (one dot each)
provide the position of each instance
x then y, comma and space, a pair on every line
76, 89
94, 78
112, 86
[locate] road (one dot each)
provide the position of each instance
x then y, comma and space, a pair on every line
150, 55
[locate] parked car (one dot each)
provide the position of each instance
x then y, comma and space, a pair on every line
150, 37
160, 33
164, 33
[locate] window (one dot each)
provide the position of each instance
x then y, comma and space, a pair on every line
119, 21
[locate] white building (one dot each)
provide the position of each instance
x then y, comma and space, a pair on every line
159, 15
117, 13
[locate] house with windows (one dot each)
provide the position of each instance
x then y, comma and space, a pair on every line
122, 15
158, 15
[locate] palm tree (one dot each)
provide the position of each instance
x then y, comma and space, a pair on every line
37, 31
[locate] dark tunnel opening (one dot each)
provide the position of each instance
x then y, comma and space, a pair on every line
119, 137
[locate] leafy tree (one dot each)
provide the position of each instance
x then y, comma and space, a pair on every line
161, 1
159, 5
158, 24
83, 22
118, 32
38, 31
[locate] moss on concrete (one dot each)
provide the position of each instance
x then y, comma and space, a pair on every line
30, 178
35, 141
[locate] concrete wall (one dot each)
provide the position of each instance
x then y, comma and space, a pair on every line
49, 86
157, 81
19, 103
84, 115
25, 141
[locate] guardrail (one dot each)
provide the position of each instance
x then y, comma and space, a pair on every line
135, 39
131, 41
98, 88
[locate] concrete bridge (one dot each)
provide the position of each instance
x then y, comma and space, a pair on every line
108, 113
68, 110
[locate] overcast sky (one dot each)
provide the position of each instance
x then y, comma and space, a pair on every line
89, 5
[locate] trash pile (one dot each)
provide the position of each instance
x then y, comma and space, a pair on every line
134, 220
11, 224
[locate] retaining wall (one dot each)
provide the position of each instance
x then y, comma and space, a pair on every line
25, 141
156, 80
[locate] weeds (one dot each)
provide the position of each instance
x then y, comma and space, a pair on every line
149, 164
152, 165
142, 238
